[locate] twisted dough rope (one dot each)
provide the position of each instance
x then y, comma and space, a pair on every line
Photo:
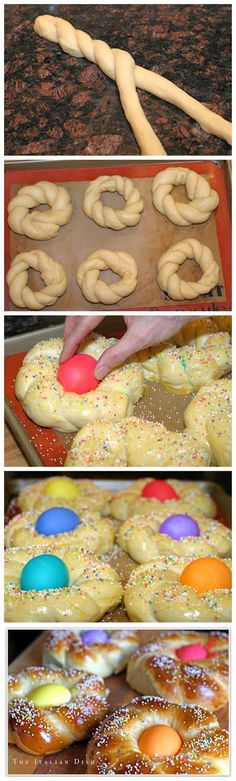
104, 215
120, 67
168, 265
94, 289
52, 273
204, 199
39, 225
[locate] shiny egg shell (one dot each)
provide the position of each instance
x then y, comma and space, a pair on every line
160, 741
44, 572
49, 695
206, 574
57, 520
61, 488
159, 489
178, 526
77, 374
191, 653
92, 636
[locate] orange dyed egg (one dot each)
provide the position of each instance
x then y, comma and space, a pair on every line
160, 741
206, 574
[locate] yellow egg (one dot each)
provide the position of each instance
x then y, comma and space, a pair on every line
50, 694
61, 488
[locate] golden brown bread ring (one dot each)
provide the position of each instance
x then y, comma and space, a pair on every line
156, 669
67, 649
48, 730
114, 749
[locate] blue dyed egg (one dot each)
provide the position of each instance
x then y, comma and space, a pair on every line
56, 521
44, 572
94, 636
177, 526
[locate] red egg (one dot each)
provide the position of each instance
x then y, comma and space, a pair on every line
159, 489
160, 741
191, 653
206, 574
77, 374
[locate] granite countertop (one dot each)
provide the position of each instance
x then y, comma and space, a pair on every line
56, 104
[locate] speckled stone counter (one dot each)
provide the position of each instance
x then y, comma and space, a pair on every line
56, 104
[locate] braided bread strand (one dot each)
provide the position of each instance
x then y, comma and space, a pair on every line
53, 275
120, 67
168, 266
203, 200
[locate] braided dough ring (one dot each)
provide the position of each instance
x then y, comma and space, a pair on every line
50, 729
67, 649
203, 199
139, 536
114, 746
94, 588
168, 266
135, 442
39, 224
47, 403
94, 288
154, 593
89, 497
129, 501
92, 534
185, 369
121, 67
53, 275
156, 669
209, 415
105, 215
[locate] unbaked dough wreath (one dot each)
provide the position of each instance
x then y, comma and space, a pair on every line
139, 536
97, 290
92, 534
47, 403
154, 593
121, 67
156, 669
114, 746
94, 588
52, 273
88, 497
129, 501
39, 225
46, 730
67, 649
209, 415
117, 219
168, 267
203, 200
135, 442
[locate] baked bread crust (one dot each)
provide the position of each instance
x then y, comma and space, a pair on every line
114, 749
67, 649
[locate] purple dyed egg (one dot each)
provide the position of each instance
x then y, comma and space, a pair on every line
177, 526
92, 636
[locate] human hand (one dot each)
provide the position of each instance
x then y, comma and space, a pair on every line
142, 331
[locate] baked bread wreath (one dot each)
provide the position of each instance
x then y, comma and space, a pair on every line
165, 589
181, 669
198, 745
47, 403
59, 584
136, 442
130, 501
93, 533
81, 495
51, 709
97, 651
173, 528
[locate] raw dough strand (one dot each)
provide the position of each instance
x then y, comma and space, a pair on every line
128, 76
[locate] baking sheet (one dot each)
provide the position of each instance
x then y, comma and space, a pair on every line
146, 241
72, 760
